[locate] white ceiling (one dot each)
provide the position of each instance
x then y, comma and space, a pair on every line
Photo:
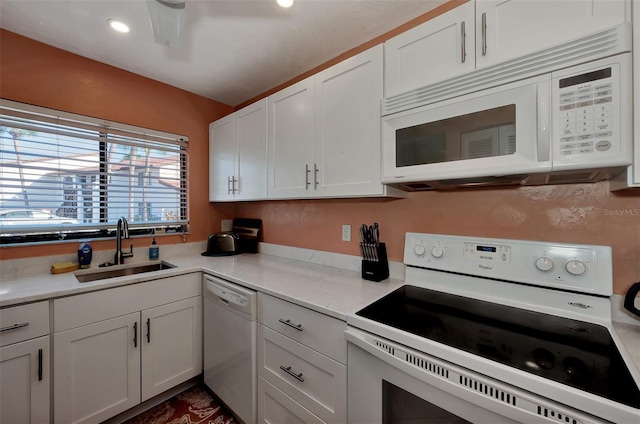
232, 50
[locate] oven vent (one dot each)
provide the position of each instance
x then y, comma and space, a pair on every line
488, 390
560, 417
427, 366
390, 350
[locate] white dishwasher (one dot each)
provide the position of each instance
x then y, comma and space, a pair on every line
230, 345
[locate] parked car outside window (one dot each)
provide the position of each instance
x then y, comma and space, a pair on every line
33, 217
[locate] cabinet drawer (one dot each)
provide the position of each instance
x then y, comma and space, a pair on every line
276, 407
83, 309
13, 320
315, 381
320, 332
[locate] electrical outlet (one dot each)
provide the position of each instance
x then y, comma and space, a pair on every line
226, 225
346, 232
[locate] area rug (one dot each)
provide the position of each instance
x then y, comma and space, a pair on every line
194, 406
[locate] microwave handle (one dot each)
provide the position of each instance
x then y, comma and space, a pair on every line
463, 41
544, 121
484, 34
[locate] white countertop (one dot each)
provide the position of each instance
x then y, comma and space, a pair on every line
331, 291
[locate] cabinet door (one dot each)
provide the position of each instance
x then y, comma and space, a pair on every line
291, 141
274, 407
437, 50
222, 155
347, 127
171, 345
97, 370
24, 382
251, 134
506, 29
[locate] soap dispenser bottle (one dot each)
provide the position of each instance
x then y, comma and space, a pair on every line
154, 250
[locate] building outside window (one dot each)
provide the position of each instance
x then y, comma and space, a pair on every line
84, 174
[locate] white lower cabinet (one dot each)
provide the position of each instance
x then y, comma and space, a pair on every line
97, 370
171, 345
24, 364
298, 382
274, 407
116, 348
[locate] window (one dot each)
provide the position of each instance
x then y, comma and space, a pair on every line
67, 176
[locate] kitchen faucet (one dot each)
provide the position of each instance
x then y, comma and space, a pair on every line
122, 231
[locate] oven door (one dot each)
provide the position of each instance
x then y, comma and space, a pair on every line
495, 132
391, 383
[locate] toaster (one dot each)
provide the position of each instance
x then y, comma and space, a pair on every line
225, 243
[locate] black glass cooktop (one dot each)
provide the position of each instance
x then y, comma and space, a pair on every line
575, 353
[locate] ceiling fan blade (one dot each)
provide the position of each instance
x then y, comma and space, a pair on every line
167, 21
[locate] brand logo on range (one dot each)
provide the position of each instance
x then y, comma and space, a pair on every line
485, 267
579, 305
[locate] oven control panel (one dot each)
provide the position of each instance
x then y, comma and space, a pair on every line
581, 268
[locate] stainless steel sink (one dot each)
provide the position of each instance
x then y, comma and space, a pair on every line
120, 271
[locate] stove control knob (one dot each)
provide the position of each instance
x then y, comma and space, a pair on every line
544, 264
419, 249
437, 252
575, 267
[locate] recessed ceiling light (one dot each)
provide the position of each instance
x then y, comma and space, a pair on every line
285, 3
118, 26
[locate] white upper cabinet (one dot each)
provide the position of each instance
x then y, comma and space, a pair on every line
506, 29
440, 48
346, 127
251, 163
290, 163
631, 178
221, 158
480, 34
324, 133
238, 155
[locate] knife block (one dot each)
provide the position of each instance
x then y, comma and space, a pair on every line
376, 270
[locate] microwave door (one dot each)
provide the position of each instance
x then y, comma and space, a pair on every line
499, 140
492, 133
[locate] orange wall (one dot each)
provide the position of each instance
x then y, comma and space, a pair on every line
35, 73
579, 213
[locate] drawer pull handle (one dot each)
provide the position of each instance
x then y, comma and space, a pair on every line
290, 324
14, 327
291, 373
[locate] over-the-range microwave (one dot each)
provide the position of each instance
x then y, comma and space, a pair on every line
565, 126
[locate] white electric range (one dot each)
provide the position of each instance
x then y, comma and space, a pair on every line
491, 330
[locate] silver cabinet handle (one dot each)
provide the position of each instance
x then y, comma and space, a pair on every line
463, 36
228, 185
14, 327
233, 184
315, 176
307, 171
290, 324
484, 34
291, 373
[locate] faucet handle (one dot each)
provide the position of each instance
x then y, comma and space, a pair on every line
128, 254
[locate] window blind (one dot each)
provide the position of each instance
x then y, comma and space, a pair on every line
70, 176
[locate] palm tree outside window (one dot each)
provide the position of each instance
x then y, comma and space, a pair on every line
85, 173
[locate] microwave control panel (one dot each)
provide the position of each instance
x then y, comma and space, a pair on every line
588, 113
